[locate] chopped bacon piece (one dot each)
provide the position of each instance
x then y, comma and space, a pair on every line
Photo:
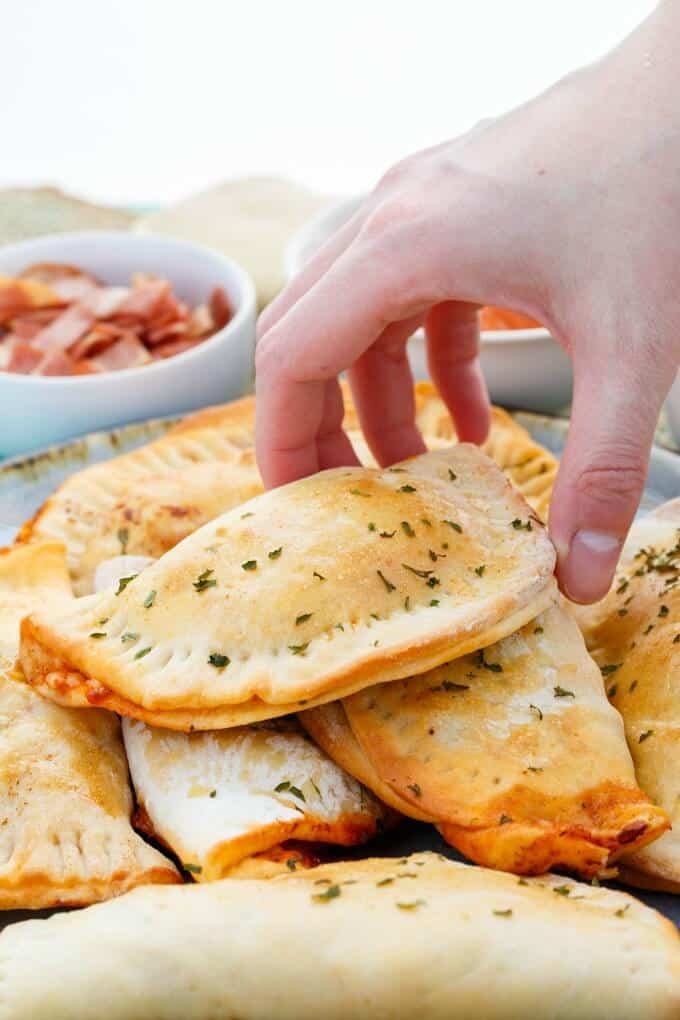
28, 326
220, 307
172, 331
128, 352
65, 329
166, 350
23, 358
101, 336
18, 296
55, 362
143, 301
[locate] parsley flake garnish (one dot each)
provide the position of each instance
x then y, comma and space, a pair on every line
518, 525
407, 529
98, 634
406, 488
413, 905
418, 573
454, 524
124, 582
645, 736
562, 692
434, 602
503, 913
129, 635
318, 576
504, 820
538, 630
331, 893
426, 521
249, 565
292, 863
632, 686
621, 912
218, 660
384, 881
493, 667
612, 690
479, 571
561, 890
149, 600
142, 652
302, 618
212, 794
205, 580
415, 789
123, 538
663, 611
388, 584
358, 492
387, 534
611, 668
275, 553
536, 709
194, 869
452, 475
299, 649
248, 513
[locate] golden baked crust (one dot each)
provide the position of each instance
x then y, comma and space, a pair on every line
366, 575
217, 798
634, 636
65, 801
515, 752
420, 937
145, 502
329, 727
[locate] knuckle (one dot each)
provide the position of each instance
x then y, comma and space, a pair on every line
267, 359
617, 483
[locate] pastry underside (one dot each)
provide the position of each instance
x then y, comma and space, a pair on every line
65, 800
634, 636
217, 798
145, 502
345, 579
418, 937
514, 752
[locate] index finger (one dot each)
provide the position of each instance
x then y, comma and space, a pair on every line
325, 332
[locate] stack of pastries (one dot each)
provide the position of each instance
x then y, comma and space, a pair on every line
297, 670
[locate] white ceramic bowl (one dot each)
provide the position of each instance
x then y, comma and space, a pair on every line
36, 410
523, 368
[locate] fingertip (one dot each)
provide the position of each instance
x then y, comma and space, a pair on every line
586, 565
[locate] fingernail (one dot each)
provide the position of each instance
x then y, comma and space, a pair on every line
587, 570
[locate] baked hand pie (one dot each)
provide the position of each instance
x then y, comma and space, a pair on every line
65, 800
634, 636
145, 502
217, 798
514, 752
418, 937
338, 581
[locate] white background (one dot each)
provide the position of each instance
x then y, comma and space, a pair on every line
146, 100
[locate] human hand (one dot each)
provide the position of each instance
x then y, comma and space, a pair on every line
567, 209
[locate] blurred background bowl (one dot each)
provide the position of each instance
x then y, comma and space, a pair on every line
38, 410
673, 409
523, 368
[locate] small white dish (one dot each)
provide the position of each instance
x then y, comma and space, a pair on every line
523, 368
39, 410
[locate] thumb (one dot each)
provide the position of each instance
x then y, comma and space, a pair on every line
602, 474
